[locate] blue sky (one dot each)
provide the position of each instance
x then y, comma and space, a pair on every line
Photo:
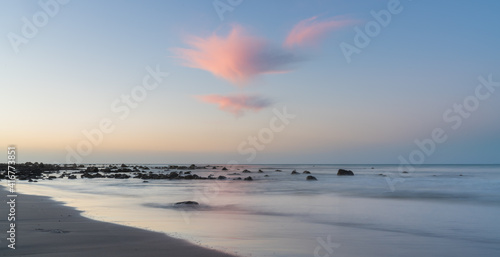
65, 79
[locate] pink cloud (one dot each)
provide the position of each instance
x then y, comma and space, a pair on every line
237, 104
236, 57
311, 31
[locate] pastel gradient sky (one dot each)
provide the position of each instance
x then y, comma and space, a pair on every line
228, 77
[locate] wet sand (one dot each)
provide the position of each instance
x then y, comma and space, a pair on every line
48, 228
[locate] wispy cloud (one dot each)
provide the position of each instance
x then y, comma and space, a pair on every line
236, 57
237, 104
310, 31
239, 56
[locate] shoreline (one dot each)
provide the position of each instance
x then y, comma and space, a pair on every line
45, 227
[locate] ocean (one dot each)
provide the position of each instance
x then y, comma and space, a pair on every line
434, 210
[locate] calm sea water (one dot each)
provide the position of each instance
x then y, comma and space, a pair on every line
435, 210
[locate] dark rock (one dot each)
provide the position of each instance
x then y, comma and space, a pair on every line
93, 175
92, 169
72, 177
306, 172
247, 171
122, 170
118, 176
311, 178
189, 176
187, 203
248, 179
294, 172
173, 174
343, 172
260, 171
222, 177
224, 168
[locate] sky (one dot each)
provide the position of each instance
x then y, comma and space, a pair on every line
239, 81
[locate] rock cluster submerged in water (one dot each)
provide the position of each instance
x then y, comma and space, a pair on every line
29, 170
33, 171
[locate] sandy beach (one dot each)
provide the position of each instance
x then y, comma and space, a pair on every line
47, 228
449, 209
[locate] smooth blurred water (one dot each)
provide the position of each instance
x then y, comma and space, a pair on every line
436, 210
